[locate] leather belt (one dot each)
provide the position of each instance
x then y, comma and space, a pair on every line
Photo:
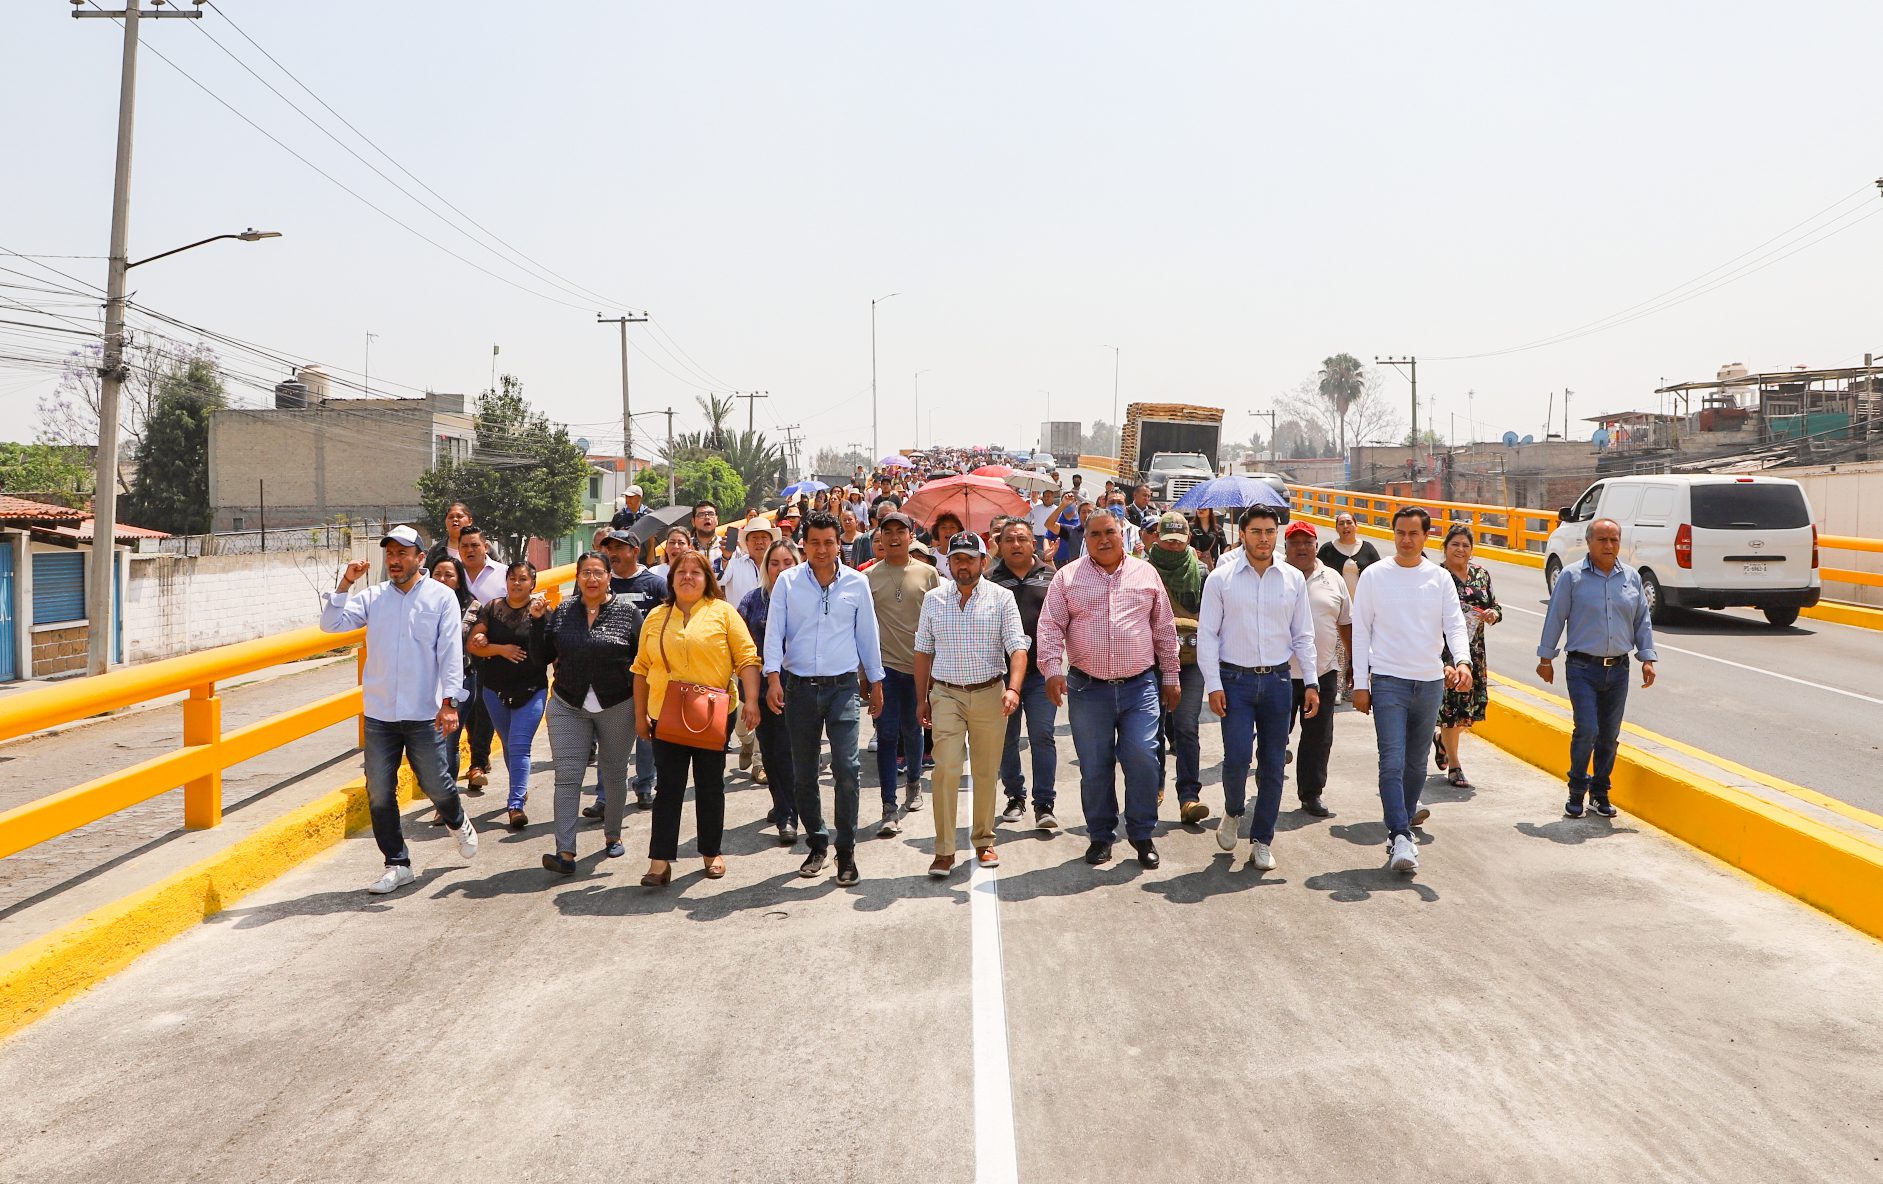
1251, 669
973, 686
822, 680
1110, 682
1599, 660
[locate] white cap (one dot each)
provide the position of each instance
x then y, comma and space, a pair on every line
631, 491
405, 535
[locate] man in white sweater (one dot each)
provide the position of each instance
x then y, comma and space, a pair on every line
1404, 613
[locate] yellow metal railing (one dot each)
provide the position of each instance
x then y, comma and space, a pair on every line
1519, 529
206, 751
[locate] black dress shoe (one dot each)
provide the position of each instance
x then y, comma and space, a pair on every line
1147, 852
559, 865
593, 813
1098, 853
1313, 806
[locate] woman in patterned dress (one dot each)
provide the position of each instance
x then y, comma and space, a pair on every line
1461, 709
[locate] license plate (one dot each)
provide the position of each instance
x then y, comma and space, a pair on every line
1755, 569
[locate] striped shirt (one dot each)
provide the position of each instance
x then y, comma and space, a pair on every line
971, 643
1109, 626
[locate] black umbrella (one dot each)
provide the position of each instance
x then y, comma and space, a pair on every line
657, 522
940, 473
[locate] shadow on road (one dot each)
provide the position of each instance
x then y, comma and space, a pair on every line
1223, 877
324, 904
1572, 831
1364, 883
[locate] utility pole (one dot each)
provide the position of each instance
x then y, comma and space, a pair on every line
366, 377
672, 485
1118, 437
1270, 415
1410, 367
1566, 393
749, 397
791, 446
627, 411
100, 573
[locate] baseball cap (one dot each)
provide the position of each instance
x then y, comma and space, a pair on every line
619, 536
631, 491
966, 542
402, 534
1173, 526
899, 518
1299, 527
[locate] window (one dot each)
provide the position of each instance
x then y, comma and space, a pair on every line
58, 587
594, 488
1749, 506
240, 523
1584, 509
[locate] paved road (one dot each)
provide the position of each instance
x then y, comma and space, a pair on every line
1547, 996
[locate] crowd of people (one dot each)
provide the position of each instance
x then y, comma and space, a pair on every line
773, 636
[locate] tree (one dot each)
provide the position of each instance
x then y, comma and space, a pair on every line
717, 411
69, 415
759, 463
44, 469
1368, 417
1424, 438
524, 479
1341, 383
832, 461
1102, 440
172, 490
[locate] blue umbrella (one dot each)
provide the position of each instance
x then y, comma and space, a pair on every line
1230, 493
791, 491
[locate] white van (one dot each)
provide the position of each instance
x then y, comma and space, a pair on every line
1708, 541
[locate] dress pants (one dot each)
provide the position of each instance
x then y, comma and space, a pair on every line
966, 723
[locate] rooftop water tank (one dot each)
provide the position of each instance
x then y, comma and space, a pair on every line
314, 378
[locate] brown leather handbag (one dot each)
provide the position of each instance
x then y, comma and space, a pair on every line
691, 714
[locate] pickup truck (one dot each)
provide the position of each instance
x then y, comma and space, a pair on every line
1171, 474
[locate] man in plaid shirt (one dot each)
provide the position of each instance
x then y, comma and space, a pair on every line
1108, 636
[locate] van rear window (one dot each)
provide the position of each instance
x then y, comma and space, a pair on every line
1749, 507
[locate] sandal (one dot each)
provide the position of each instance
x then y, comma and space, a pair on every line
715, 867
1438, 748
1455, 777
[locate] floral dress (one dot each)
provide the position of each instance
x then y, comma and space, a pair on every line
1463, 708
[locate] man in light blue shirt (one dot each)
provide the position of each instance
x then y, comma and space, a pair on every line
1601, 604
410, 687
819, 634
1255, 620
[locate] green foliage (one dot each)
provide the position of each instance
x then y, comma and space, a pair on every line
172, 490
759, 463
1341, 383
44, 468
525, 479
710, 478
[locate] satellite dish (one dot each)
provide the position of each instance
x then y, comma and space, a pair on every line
1600, 438
582, 443
1510, 438
1527, 440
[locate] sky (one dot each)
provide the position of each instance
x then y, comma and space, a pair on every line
1227, 193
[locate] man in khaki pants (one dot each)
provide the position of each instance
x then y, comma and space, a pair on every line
970, 662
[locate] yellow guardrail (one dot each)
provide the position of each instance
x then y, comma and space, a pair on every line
207, 751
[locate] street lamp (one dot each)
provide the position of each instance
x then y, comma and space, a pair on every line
876, 443
918, 406
1118, 437
100, 576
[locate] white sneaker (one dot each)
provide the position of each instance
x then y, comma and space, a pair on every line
1403, 854
396, 877
1226, 831
467, 838
872, 746
1261, 858
1421, 814
890, 826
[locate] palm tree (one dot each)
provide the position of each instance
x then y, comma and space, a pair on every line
716, 411
760, 463
1342, 382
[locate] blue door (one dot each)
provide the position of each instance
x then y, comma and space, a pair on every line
9, 669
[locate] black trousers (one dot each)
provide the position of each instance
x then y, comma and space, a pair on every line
774, 745
1317, 738
671, 763
477, 723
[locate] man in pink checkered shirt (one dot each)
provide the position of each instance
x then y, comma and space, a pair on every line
1107, 640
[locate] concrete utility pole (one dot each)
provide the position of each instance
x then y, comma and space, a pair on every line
1118, 438
366, 375
672, 485
876, 442
791, 446
100, 571
1410, 367
627, 412
750, 397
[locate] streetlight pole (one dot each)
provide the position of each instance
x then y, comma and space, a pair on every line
366, 376
1117, 432
627, 413
918, 407
876, 442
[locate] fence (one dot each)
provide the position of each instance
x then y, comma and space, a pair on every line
326, 536
206, 752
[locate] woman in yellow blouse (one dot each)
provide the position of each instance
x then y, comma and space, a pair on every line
695, 637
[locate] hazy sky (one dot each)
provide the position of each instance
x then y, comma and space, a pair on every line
1227, 192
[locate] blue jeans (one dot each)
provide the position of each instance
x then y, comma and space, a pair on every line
516, 732
1041, 718
1115, 724
814, 710
1179, 731
1598, 694
418, 741
1404, 714
897, 730
1255, 725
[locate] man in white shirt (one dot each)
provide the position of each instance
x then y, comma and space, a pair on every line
1404, 612
1332, 606
745, 574
410, 687
1039, 515
1255, 619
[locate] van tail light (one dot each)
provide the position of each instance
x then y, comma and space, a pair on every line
1683, 545
1814, 546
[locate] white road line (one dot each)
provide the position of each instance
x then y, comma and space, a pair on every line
995, 1158
1803, 682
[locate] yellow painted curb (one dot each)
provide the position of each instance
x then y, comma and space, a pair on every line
40, 975
1836, 611
1826, 868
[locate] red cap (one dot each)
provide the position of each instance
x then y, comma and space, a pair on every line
1298, 527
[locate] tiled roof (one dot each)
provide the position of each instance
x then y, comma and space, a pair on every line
18, 511
19, 507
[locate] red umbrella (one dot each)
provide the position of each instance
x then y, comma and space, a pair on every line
992, 471
974, 500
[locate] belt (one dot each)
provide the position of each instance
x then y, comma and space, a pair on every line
1252, 669
1111, 682
972, 686
1599, 660
822, 680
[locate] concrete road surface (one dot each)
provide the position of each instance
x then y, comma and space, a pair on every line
1547, 1000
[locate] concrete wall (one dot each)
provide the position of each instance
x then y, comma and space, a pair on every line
1848, 500
178, 604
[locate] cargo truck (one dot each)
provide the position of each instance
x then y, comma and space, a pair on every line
1170, 446
1062, 438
